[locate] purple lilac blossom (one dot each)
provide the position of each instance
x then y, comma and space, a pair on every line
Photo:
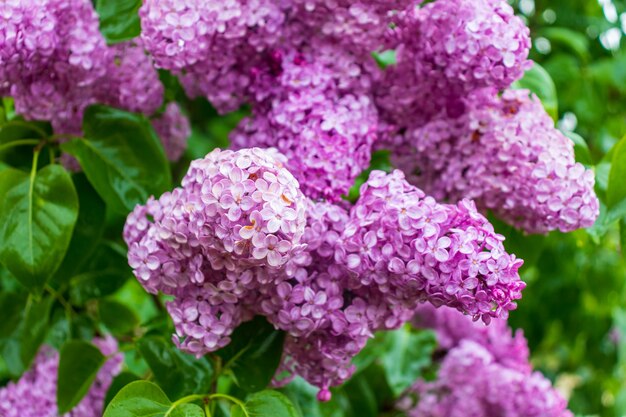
237, 219
446, 49
173, 128
211, 45
485, 372
413, 248
34, 395
326, 135
504, 153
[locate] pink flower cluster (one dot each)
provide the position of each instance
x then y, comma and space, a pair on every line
485, 372
504, 153
54, 63
326, 135
447, 49
34, 395
240, 239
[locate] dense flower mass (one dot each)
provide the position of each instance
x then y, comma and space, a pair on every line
54, 62
484, 373
449, 48
239, 239
413, 248
505, 153
326, 135
34, 395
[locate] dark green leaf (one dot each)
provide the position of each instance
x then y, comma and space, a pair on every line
119, 382
538, 81
187, 410
87, 232
96, 284
407, 355
121, 156
22, 345
11, 309
253, 354
119, 20
37, 217
78, 366
118, 318
270, 403
139, 399
176, 372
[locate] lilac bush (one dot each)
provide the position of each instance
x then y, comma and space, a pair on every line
289, 223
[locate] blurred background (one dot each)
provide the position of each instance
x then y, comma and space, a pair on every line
574, 309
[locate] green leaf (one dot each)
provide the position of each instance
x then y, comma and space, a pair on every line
37, 217
385, 58
407, 354
538, 81
87, 232
304, 397
176, 372
120, 381
20, 347
79, 363
119, 19
577, 42
581, 149
380, 161
96, 284
253, 354
616, 191
139, 399
118, 318
270, 403
121, 156
11, 308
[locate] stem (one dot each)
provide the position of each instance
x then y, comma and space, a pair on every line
19, 142
60, 299
206, 399
233, 400
207, 410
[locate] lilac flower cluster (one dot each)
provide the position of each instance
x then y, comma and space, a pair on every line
54, 63
479, 377
238, 217
34, 395
239, 238
448, 48
505, 153
326, 136
213, 44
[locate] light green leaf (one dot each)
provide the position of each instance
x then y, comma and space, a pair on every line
139, 399
616, 191
270, 403
37, 217
538, 81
